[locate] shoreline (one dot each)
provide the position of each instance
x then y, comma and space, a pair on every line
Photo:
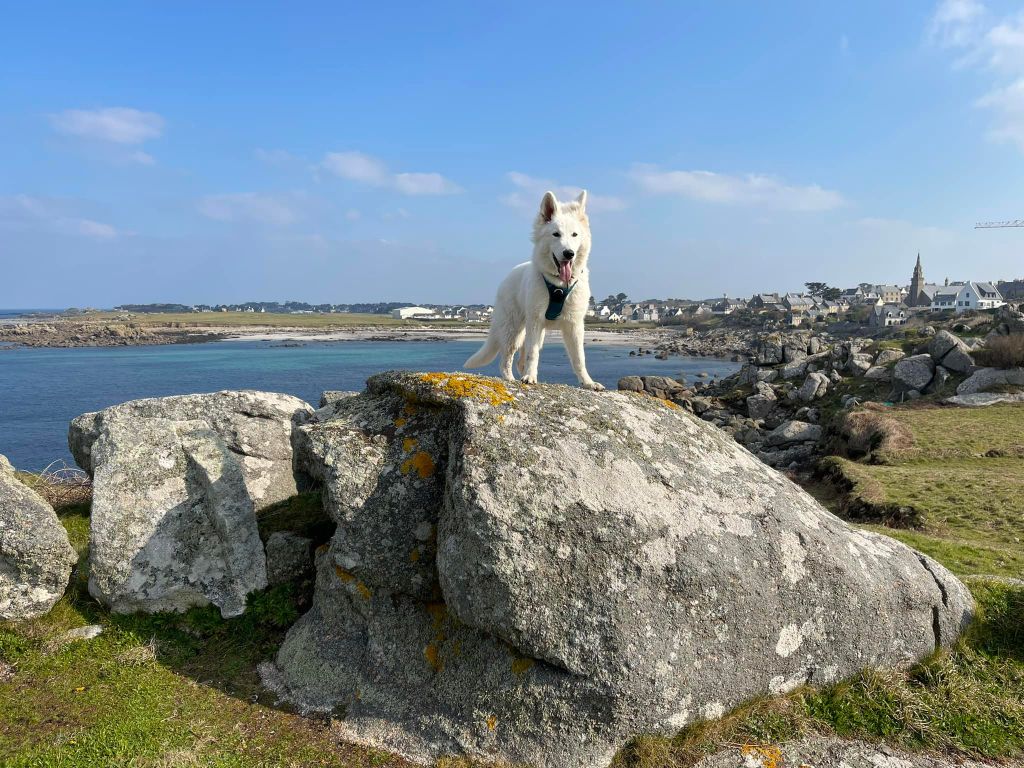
639, 337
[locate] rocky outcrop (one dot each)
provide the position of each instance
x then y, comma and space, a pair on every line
177, 482
987, 379
533, 575
35, 554
828, 752
950, 352
289, 557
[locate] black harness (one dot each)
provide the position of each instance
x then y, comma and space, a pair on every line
556, 299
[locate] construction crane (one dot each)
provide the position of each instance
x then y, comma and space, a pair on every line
999, 224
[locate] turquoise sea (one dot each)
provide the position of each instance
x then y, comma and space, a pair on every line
41, 390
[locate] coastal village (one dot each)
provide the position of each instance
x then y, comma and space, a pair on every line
866, 304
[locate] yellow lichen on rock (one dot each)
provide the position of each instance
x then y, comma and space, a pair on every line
408, 444
421, 463
433, 656
414, 556
344, 575
765, 756
475, 387
492, 723
400, 422
348, 578
521, 664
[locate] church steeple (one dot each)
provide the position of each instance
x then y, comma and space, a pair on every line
917, 297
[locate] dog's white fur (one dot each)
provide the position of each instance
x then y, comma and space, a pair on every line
523, 298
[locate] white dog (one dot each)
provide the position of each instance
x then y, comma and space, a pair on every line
550, 291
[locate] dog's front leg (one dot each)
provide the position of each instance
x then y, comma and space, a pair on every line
531, 350
572, 334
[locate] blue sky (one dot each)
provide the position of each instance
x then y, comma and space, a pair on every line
201, 152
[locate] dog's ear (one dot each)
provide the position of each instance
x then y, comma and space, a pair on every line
582, 200
548, 206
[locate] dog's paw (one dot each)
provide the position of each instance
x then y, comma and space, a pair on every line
594, 386
528, 379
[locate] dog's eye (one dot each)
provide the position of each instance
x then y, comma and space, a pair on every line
556, 234
574, 234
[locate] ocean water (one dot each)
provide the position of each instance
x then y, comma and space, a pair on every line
41, 390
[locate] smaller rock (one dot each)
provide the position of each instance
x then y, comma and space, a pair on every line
794, 369
333, 396
928, 331
985, 379
631, 384
887, 356
289, 557
814, 386
878, 373
794, 432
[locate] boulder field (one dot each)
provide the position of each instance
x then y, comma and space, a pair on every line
534, 575
527, 575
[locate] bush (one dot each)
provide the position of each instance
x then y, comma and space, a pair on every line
1002, 352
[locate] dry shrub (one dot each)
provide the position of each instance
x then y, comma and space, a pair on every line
60, 485
872, 431
1002, 352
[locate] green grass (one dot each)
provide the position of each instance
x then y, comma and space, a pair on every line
266, 319
959, 479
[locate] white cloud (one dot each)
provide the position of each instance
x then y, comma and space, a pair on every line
530, 189
366, 169
992, 46
425, 184
751, 189
247, 206
25, 212
118, 125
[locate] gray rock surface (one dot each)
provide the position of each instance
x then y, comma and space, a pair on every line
985, 379
35, 554
979, 399
913, 372
878, 373
569, 569
814, 386
827, 752
334, 395
177, 482
887, 356
794, 432
289, 557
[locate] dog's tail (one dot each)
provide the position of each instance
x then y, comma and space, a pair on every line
485, 354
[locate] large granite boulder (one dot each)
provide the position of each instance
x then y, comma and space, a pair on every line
177, 482
35, 554
913, 373
950, 352
534, 575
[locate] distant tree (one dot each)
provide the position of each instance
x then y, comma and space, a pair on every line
620, 297
831, 294
815, 289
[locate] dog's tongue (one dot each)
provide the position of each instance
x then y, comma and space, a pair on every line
565, 272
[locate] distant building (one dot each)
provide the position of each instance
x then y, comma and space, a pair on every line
887, 315
763, 300
917, 296
404, 313
890, 294
798, 303
1011, 290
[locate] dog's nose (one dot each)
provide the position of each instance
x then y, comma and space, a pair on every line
568, 253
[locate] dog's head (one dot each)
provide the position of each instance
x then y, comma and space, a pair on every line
561, 238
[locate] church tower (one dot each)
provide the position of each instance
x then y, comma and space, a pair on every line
917, 298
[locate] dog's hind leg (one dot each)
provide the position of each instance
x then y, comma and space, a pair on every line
510, 345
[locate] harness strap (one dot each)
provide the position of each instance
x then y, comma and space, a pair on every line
556, 299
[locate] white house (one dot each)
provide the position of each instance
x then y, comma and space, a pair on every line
978, 296
404, 313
